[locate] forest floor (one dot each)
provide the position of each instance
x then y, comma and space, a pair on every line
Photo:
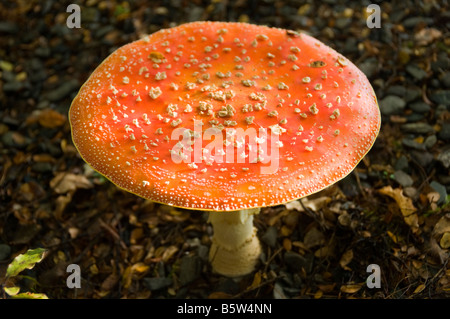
392, 211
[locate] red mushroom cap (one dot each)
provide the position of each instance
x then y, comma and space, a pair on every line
145, 117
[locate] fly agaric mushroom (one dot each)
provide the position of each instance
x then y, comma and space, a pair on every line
225, 118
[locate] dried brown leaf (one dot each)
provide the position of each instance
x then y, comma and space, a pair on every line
419, 289
394, 237
427, 35
169, 252
274, 219
344, 219
44, 158
287, 244
346, 259
313, 204
442, 226
60, 204
31, 191
318, 294
323, 252
314, 237
110, 281
405, 204
445, 241
126, 277
285, 231
47, 118
257, 279
136, 235
351, 288
140, 268
327, 288
437, 251
219, 295
66, 182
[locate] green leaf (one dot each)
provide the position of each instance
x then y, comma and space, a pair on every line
25, 261
12, 291
30, 295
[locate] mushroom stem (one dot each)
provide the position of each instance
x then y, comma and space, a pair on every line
235, 247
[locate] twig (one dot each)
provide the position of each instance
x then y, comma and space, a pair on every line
358, 181
113, 233
264, 283
272, 258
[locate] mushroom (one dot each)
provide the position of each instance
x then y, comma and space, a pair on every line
225, 118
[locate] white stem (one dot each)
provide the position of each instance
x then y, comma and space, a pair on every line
235, 247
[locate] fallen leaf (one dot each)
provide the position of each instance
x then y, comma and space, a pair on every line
344, 219
137, 253
437, 251
31, 191
278, 292
365, 234
327, 288
136, 234
29, 295
346, 259
140, 268
274, 219
169, 252
323, 252
47, 118
65, 182
405, 204
285, 231
417, 264
73, 232
12, 291
300, 245
256, 281
126, 277
433, 197
43, 158
318, 294
25, 261
6, 66
94, 269
313, 204
287, 244
442, 226
219, 295
427, 35
394, 237
60, 204
419, 288
313, 238
351, 288
445, 241
132, 272
171, 214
